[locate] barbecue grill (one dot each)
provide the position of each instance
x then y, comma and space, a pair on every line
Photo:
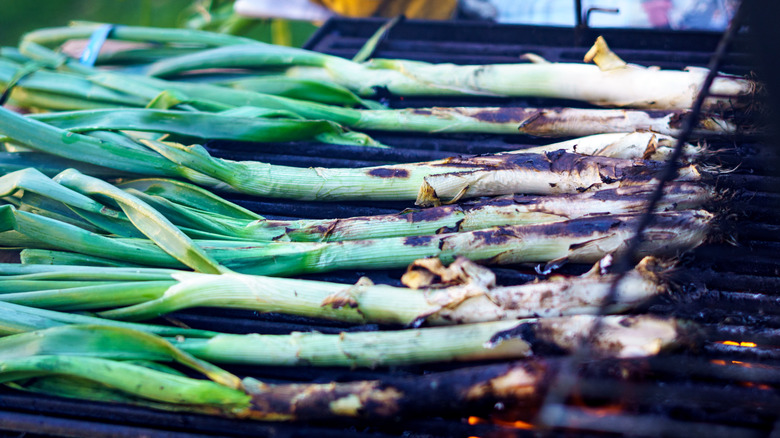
729, 385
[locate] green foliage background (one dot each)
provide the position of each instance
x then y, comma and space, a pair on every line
18, 17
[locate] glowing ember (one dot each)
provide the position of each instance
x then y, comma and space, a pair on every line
739, 344
515, 424
604, 410
761, 386
743, 364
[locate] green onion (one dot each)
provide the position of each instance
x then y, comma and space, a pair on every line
116, 343
611, 82
496, 340
205, 126
139, 381
473, 297
429, 183
56, 35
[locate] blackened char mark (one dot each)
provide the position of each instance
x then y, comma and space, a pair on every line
389, 172
578, 227
528, 333
417, 240
504, 115
494, 236
430, 214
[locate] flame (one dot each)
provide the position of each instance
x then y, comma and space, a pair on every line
739, 344
515, 424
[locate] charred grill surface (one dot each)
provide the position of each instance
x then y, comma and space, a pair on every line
728, 385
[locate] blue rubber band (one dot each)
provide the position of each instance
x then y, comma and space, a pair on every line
96, 41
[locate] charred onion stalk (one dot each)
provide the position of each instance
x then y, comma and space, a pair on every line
469, 294
560, 122
237, 127
429, 183
540, 122
644, 145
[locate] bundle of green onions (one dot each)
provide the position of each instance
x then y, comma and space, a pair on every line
80, 87
200, 213
122, 364
119, 251
611, 82
51, 90
222, 240
429, 183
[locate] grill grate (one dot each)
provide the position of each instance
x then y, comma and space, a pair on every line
728, 387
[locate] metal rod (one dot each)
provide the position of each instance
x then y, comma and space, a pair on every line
552, 412
578, 12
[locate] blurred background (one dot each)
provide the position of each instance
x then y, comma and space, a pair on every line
20, 17
291, 22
